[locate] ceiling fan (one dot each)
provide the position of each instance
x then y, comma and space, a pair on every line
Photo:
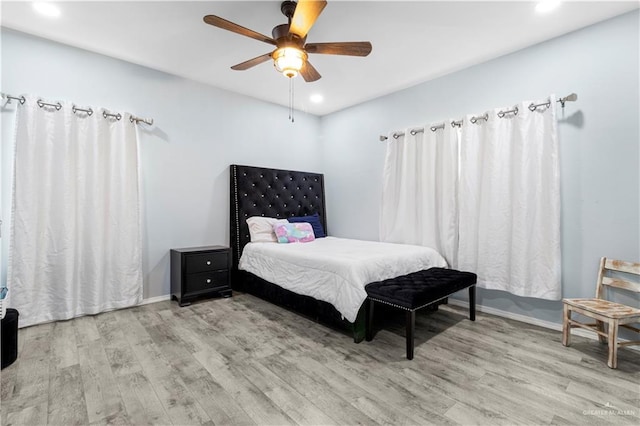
291, 53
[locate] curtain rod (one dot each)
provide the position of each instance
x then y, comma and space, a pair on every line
532, 107
75, 109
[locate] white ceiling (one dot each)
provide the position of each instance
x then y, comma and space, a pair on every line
412, 41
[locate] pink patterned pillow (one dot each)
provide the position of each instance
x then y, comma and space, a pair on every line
294, 232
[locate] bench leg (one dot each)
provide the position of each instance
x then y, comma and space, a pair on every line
411, 326
472, 303
369, 326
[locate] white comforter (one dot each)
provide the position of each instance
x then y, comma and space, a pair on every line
335, 270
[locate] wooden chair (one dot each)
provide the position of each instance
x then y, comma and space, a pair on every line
604, 311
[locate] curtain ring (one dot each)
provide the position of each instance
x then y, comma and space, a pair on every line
106, 114
501, 114
41, 104
413, 132
484, 117
76, 109
396, 135
533, 106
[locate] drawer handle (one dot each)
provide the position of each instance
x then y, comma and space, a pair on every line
208, 280
208, 262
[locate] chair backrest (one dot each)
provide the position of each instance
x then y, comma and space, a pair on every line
617, 282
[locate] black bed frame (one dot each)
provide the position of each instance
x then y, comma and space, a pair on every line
257, 191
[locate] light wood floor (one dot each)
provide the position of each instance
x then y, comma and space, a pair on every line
245, 361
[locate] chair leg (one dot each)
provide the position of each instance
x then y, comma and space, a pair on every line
411, 326
600, 327
613, 344
566, 326
369, 326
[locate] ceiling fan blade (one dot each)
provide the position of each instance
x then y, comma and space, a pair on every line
219, 22
309, 73
252, 62
307, 11
349, 48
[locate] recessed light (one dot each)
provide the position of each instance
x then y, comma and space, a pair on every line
47, 9
545, 6
316, 99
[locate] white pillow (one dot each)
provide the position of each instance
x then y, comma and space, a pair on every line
261, 229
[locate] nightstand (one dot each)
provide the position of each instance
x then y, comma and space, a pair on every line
200, 272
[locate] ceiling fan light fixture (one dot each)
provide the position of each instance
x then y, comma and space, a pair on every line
289, 60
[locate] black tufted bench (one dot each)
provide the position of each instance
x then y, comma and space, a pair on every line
417, 290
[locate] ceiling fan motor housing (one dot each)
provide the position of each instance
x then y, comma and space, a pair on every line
281, 35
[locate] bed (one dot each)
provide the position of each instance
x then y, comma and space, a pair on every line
281, 194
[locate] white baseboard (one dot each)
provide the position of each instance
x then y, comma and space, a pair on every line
155, 299
530, 320
510, 315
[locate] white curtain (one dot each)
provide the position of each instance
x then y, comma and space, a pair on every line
419, 190
75, 232
509, 201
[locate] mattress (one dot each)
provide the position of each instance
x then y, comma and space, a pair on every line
335, 270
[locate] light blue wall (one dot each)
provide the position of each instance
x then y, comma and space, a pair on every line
199, 131
599, 139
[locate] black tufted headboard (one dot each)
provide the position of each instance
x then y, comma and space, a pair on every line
257, 191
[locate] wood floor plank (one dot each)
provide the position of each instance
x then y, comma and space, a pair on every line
257, 405
299, 408
101, 392
86, 330
470, 414
140, 400
211, 397
37, 342
31, 415
380, 387
316, 388
207, 336
602, 398
31, 383
539, 397
174, 395
63, 345
66, 397
221, 406
8, 381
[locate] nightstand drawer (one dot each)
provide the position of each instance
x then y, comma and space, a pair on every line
206, 262
206, 281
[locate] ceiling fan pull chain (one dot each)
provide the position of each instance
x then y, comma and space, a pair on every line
289, 99
292, 99
291, 110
